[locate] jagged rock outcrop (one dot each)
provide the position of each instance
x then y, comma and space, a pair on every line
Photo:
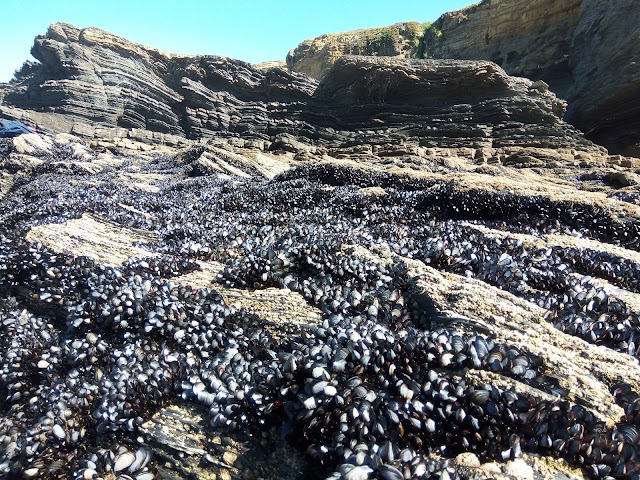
100, 86
95, 77
586, 51
315, 57
443, 103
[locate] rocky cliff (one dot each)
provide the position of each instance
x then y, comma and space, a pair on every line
411, 269
605, 93
99, 78
528, 39
89, 77
585, 50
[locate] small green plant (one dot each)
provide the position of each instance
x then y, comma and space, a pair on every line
430, 37
415, 33
388, 35
381, 39
386, 40
415, 30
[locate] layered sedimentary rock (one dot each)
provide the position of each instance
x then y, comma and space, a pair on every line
95, 84
586, 50
442, 104
99, 78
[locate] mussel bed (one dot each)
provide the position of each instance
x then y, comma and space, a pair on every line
89, 352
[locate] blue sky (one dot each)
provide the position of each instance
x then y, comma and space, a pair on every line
253, 31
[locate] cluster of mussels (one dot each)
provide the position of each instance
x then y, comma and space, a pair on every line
89, 352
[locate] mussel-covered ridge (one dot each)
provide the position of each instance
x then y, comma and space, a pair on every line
377, 389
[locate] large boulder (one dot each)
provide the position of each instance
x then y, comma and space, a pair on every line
444, 104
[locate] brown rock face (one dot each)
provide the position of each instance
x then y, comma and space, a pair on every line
314, 57
605, 95
528, 39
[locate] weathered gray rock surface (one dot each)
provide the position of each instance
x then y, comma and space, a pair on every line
99, 78
98, 85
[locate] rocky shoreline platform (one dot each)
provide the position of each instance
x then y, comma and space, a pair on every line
408, 269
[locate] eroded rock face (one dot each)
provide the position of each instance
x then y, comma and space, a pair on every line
134, 94
316, 56
605, 96
96, 77
586, 50
528, 39
443, 103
